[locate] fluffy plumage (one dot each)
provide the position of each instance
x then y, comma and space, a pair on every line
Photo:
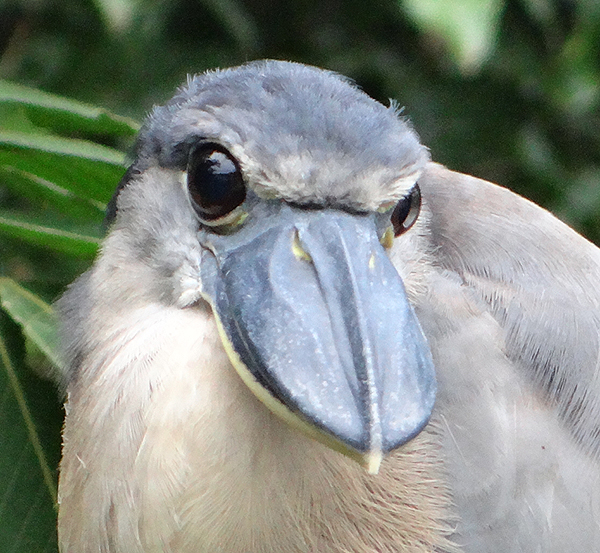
167, 450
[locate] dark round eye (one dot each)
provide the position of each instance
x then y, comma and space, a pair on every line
406, 211
214, 181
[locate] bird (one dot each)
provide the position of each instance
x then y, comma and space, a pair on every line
301, 334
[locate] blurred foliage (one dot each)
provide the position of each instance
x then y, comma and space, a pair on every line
57, 179
507, 90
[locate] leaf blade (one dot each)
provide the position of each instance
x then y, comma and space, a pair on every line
36, 317
72, 242
66, 114
469, 28
30, 427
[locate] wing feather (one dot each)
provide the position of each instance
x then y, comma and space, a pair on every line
511, 315
540, 281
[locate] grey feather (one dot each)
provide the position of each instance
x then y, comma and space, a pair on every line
512, 317
167, 450
540, 281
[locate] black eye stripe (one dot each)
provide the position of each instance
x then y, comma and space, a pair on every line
214, 181
111, 209
406, 211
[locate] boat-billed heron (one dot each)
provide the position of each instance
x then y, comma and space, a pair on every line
303, 336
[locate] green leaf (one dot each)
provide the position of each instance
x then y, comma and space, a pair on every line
43, 193
86, 169
468, 27
35, 316
117, 14
64, 115
63, 146
13, 117
71, 239
30, 420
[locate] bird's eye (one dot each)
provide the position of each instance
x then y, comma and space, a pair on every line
214, 181
406, 211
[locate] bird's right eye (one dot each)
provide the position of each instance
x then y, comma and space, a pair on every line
215, 183
406, 211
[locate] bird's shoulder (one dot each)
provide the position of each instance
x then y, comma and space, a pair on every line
513, 322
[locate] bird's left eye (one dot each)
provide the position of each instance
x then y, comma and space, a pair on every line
215, 183
406, 211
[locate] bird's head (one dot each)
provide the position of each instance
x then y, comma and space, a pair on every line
275, 192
